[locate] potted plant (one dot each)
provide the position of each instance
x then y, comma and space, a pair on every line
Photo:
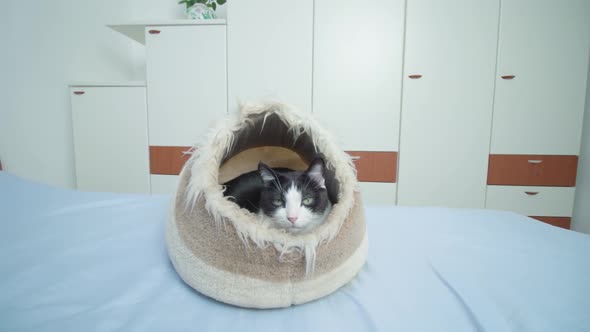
201, 9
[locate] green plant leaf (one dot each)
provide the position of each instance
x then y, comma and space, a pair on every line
213, 5
221, 2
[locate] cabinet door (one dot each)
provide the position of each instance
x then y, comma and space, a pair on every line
186, 78
110, 139
270, 52
447, 111
358, 70
541, 77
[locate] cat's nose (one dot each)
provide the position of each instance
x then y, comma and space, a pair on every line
292, 219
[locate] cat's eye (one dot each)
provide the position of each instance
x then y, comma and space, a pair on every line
308, 201
277, 202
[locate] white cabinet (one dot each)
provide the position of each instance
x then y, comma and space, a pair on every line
447, 111
437, 85
110, 138
358, 51
186, 80
270, 52
541, 77
378, 193
164, 183
357, 75
532, 200
539, 104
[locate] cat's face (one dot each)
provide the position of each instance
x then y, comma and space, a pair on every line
296, 201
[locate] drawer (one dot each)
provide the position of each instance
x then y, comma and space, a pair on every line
168, 160
164, 184
375, 193
563, 222
532, 170
371, 166
532, 201
375, 166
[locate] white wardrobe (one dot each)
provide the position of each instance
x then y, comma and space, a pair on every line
357, 85
541, 79
448, 92
186, 92
455, 103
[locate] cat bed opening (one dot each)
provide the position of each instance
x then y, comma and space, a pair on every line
228, 253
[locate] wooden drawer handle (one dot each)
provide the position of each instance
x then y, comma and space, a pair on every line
417, 76
355, 158
79, 92
533, 161
531, 193
508, 77
154, 32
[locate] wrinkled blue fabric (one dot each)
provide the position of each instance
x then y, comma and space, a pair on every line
77, 261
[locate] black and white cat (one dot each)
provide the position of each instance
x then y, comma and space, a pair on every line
292, 200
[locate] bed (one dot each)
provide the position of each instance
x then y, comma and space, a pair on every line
74, 261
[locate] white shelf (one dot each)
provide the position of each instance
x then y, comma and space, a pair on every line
106, 83
136, 29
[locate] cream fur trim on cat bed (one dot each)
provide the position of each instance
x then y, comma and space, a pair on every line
230, 254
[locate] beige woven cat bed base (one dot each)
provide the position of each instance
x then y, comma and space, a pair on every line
228, 253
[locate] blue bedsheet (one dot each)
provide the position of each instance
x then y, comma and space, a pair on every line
74, 261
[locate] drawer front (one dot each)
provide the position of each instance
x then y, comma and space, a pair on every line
563, 222
532, 201
168, 160
375, 193
164, 184
532, 170
373, 166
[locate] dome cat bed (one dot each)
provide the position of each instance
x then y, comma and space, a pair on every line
228, 253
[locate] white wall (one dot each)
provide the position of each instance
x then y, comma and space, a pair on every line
45, 46
581, 220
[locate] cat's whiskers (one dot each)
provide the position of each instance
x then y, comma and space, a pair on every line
276, 180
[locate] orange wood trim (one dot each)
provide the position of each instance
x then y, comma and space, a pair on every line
532, 170
371, 166
375, 166
563, 222
167, 160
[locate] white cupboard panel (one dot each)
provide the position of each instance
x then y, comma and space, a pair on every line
186, 79
532, 201
164, 184
357, 71
544, 45
110, 139
447, 113
376, 193
270, 52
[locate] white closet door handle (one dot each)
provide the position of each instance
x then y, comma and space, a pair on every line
535, 161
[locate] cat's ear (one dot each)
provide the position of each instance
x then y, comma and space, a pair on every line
316, 172
265, 172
